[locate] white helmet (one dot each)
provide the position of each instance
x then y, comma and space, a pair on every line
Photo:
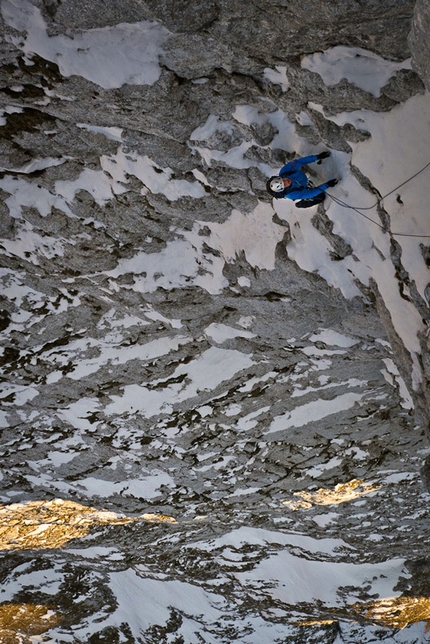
276, 184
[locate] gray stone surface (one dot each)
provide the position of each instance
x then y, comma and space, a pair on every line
419, 41
219, 462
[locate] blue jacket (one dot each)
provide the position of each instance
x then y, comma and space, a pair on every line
299, 189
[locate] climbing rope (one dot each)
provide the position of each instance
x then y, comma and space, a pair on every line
359, 209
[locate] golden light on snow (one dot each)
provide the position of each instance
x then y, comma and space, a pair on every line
339, 494
398, 612
20, 622
317, 622
393, 612
158, 518
51, 524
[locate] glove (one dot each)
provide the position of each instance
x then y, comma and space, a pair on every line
323, 155
332, 183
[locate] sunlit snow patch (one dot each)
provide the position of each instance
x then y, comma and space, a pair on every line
341, 493
17, 621
51, 524
397, 612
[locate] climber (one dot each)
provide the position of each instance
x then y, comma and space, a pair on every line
292, 183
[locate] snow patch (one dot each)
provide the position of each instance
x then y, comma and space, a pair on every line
132, 50
361, 67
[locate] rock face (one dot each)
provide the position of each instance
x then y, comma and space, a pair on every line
419, 42
215, 403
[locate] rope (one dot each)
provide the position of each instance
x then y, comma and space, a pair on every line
345, 205
359, 209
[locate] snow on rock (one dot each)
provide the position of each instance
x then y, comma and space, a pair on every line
361, 67
216, 389
137, 47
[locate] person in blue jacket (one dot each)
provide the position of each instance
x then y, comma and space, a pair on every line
292, 183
